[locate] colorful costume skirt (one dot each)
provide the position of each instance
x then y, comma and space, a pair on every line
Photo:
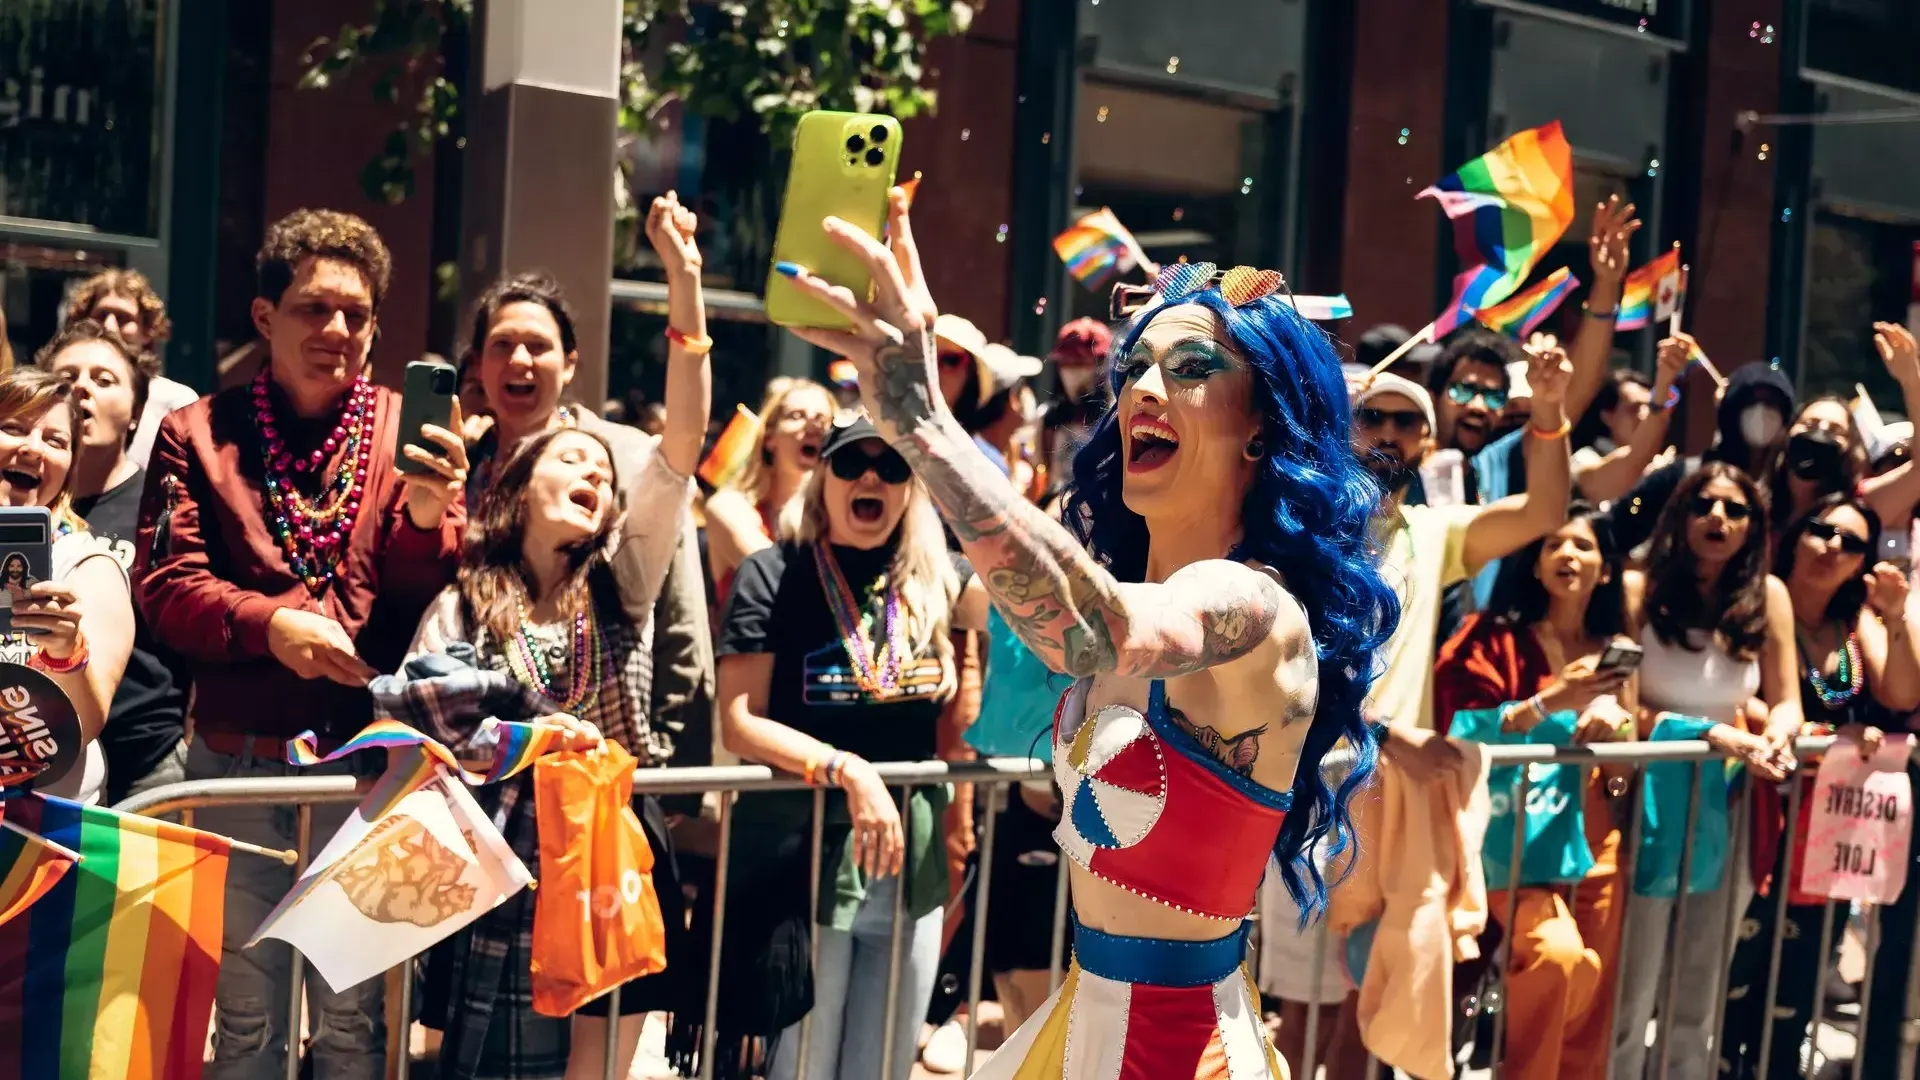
1136, 1008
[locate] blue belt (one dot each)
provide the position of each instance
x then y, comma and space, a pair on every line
1157, 961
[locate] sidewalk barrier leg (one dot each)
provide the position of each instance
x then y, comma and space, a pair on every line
1628, 861
1677, 935
297, 964
813, 913
709, 1038
1819, 993
1310, 1053
403, 1065
983, 882
1742, 812
1780, 891
1866, 990
1521, 786
892, 1012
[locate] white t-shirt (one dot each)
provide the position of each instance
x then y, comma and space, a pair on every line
1425, 553
84, 783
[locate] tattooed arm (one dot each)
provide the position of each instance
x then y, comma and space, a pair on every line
1064, 606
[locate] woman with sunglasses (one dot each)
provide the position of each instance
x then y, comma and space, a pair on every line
744, 515
1717, 631
1859, 672
1212, 587
834, 654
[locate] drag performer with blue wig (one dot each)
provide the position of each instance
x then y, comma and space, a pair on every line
1214, 597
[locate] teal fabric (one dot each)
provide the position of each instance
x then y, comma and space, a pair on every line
1663, 829
1555, 848
1018, 700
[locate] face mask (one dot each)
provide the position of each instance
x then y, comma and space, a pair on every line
1759, 424
1814, 455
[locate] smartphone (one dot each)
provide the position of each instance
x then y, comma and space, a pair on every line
1895, 547
26, 556
426, 398
1622, 655
843, 164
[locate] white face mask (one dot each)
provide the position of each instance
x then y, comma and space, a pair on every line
1759, 424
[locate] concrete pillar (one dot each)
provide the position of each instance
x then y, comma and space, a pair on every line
540, 168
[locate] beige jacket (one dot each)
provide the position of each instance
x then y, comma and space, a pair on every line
1419, 878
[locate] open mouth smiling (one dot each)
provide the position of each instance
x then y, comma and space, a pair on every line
868, 510
1151, 443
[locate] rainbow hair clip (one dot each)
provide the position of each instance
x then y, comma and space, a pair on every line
1239, 286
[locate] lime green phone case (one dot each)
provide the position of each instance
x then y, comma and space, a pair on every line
843, 164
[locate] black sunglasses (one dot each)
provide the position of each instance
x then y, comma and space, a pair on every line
1735, 510
1827, 530
850, 464
1407, 420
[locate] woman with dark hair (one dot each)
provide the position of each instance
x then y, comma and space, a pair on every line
1534, 676
1214, 590
563, 564
1859, 672
1717, 631
1626, 427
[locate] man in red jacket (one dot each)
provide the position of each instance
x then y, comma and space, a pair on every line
286, 559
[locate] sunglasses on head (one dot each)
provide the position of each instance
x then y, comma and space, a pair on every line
1734, 509
1827, 530
1404, 420
851, 464
1461, 393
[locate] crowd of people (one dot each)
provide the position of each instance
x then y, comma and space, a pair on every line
1246, 567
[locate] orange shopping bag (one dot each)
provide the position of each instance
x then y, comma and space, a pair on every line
596, 918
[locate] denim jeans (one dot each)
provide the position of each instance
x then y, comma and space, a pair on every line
850, 994
252, 997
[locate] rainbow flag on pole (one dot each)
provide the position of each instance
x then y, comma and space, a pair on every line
1653, 292
30, 866
513, 746
1097, 249
111, 973
1519, 314
1508, 206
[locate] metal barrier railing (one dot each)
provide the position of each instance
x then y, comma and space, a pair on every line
996, 776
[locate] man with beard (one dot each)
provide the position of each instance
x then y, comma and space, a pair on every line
1427, 548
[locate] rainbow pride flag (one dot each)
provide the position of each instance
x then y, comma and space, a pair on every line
1097, 249
30, 866
1519, 314
515, 746
111, 973
1508, 206
1653, 292
731, 452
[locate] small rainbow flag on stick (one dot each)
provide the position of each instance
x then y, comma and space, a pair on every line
515, 746
1508, 206
111, 973
727, 461
1653, 292
1519, 314
1097, 249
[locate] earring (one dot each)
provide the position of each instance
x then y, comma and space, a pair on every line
1255, 449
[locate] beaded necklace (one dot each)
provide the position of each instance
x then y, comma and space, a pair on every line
877, 670
313, 532
530, 668
1849, 677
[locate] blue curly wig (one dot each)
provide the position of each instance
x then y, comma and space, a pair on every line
1310, 510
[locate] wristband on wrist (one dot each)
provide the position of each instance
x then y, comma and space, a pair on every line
698, 346
811, 771
1556, 433
836, 762
40, 661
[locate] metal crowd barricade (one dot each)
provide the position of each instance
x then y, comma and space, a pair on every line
994, 778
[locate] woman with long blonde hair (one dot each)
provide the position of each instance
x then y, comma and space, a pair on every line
747, 514
835, 654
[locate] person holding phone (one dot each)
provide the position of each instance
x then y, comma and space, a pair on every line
286, 560
1214, 590
1859, 667
77, 627
1540, 674
1717, 629
144, 739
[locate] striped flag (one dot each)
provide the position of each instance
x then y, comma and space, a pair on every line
1097, 249
1519, 314
1508, 206
731, 452
514, 746
30, 866
1321, 308
111, 973
1653, 292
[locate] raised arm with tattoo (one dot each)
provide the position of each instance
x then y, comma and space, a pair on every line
1064, 606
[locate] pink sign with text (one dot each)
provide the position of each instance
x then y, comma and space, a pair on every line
1862, 818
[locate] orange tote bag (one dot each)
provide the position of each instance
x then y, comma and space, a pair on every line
596, 918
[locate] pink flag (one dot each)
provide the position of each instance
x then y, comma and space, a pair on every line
1862, 817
